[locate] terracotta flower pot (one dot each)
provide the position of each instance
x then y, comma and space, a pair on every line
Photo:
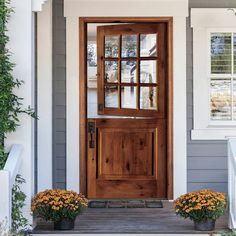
207, 225
64, 224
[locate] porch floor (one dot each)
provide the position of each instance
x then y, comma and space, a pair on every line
132, 220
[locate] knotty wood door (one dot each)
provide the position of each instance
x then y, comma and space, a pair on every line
127, 155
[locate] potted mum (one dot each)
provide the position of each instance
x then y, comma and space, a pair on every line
202, 207
59, 206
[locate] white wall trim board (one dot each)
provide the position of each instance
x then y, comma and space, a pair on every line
204, 21
44, 77
179, 11
37, 5
21, 33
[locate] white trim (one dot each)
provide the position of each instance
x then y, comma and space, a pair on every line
44, 79
37, 5
21, 34
72, 107
7, 180
179, 11
204, 22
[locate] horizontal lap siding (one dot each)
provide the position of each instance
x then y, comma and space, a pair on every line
59, 95
206, 160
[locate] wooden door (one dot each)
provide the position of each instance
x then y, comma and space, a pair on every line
127, 155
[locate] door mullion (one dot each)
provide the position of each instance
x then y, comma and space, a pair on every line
138, 73
119, 71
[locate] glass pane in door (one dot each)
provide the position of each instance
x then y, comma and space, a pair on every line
111, 96
148, 45
148, 98
128, 71
112, 46
148, 71
128, 97
111, 72
129, 46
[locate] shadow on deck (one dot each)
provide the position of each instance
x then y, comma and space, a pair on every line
132, 220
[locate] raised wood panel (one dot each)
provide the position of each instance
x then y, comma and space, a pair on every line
126, 153
128, 159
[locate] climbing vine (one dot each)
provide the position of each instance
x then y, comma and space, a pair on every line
10, 103
19, 222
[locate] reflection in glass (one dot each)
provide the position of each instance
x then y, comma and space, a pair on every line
148, 45
129, 46
148, 98
148, 71
111, 96
234, 53
220, 99
111, 72
128, 71
128, 97
234, 99
221, 53
111, 46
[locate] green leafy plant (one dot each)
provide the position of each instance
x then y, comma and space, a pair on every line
201, 205
231, 233
19, 222
10, 103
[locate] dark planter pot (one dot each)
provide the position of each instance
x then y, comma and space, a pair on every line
207, 225
64, 224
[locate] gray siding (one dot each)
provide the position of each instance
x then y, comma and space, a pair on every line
207, 160
59, 95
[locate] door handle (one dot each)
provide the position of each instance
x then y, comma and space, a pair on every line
91, 132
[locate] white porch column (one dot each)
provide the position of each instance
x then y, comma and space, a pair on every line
44, 97
22, 40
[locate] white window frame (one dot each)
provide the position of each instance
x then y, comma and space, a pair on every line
205, 21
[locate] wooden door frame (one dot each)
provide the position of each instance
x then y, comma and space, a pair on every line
83, 22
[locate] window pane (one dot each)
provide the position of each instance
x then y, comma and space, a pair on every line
220, 99
148, 71
234, 53
111, 46
221, 53
128, 71
111, 96
129, 46
148, 45
234, 99
111, 72
128, 97
148, 98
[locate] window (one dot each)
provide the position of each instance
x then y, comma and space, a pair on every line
223, 76
214, 73
131, 69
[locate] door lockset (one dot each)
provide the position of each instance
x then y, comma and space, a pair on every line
91, 131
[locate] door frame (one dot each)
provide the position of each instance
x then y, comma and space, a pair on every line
83, 23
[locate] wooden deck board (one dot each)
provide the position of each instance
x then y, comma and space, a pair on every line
131, 220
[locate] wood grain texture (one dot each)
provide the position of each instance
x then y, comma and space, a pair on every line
83, 104
124, 30
129, 159
83, 95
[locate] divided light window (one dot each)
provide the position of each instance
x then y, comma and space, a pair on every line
223, 77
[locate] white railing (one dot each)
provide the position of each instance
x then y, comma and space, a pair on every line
7, 179
232, 182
